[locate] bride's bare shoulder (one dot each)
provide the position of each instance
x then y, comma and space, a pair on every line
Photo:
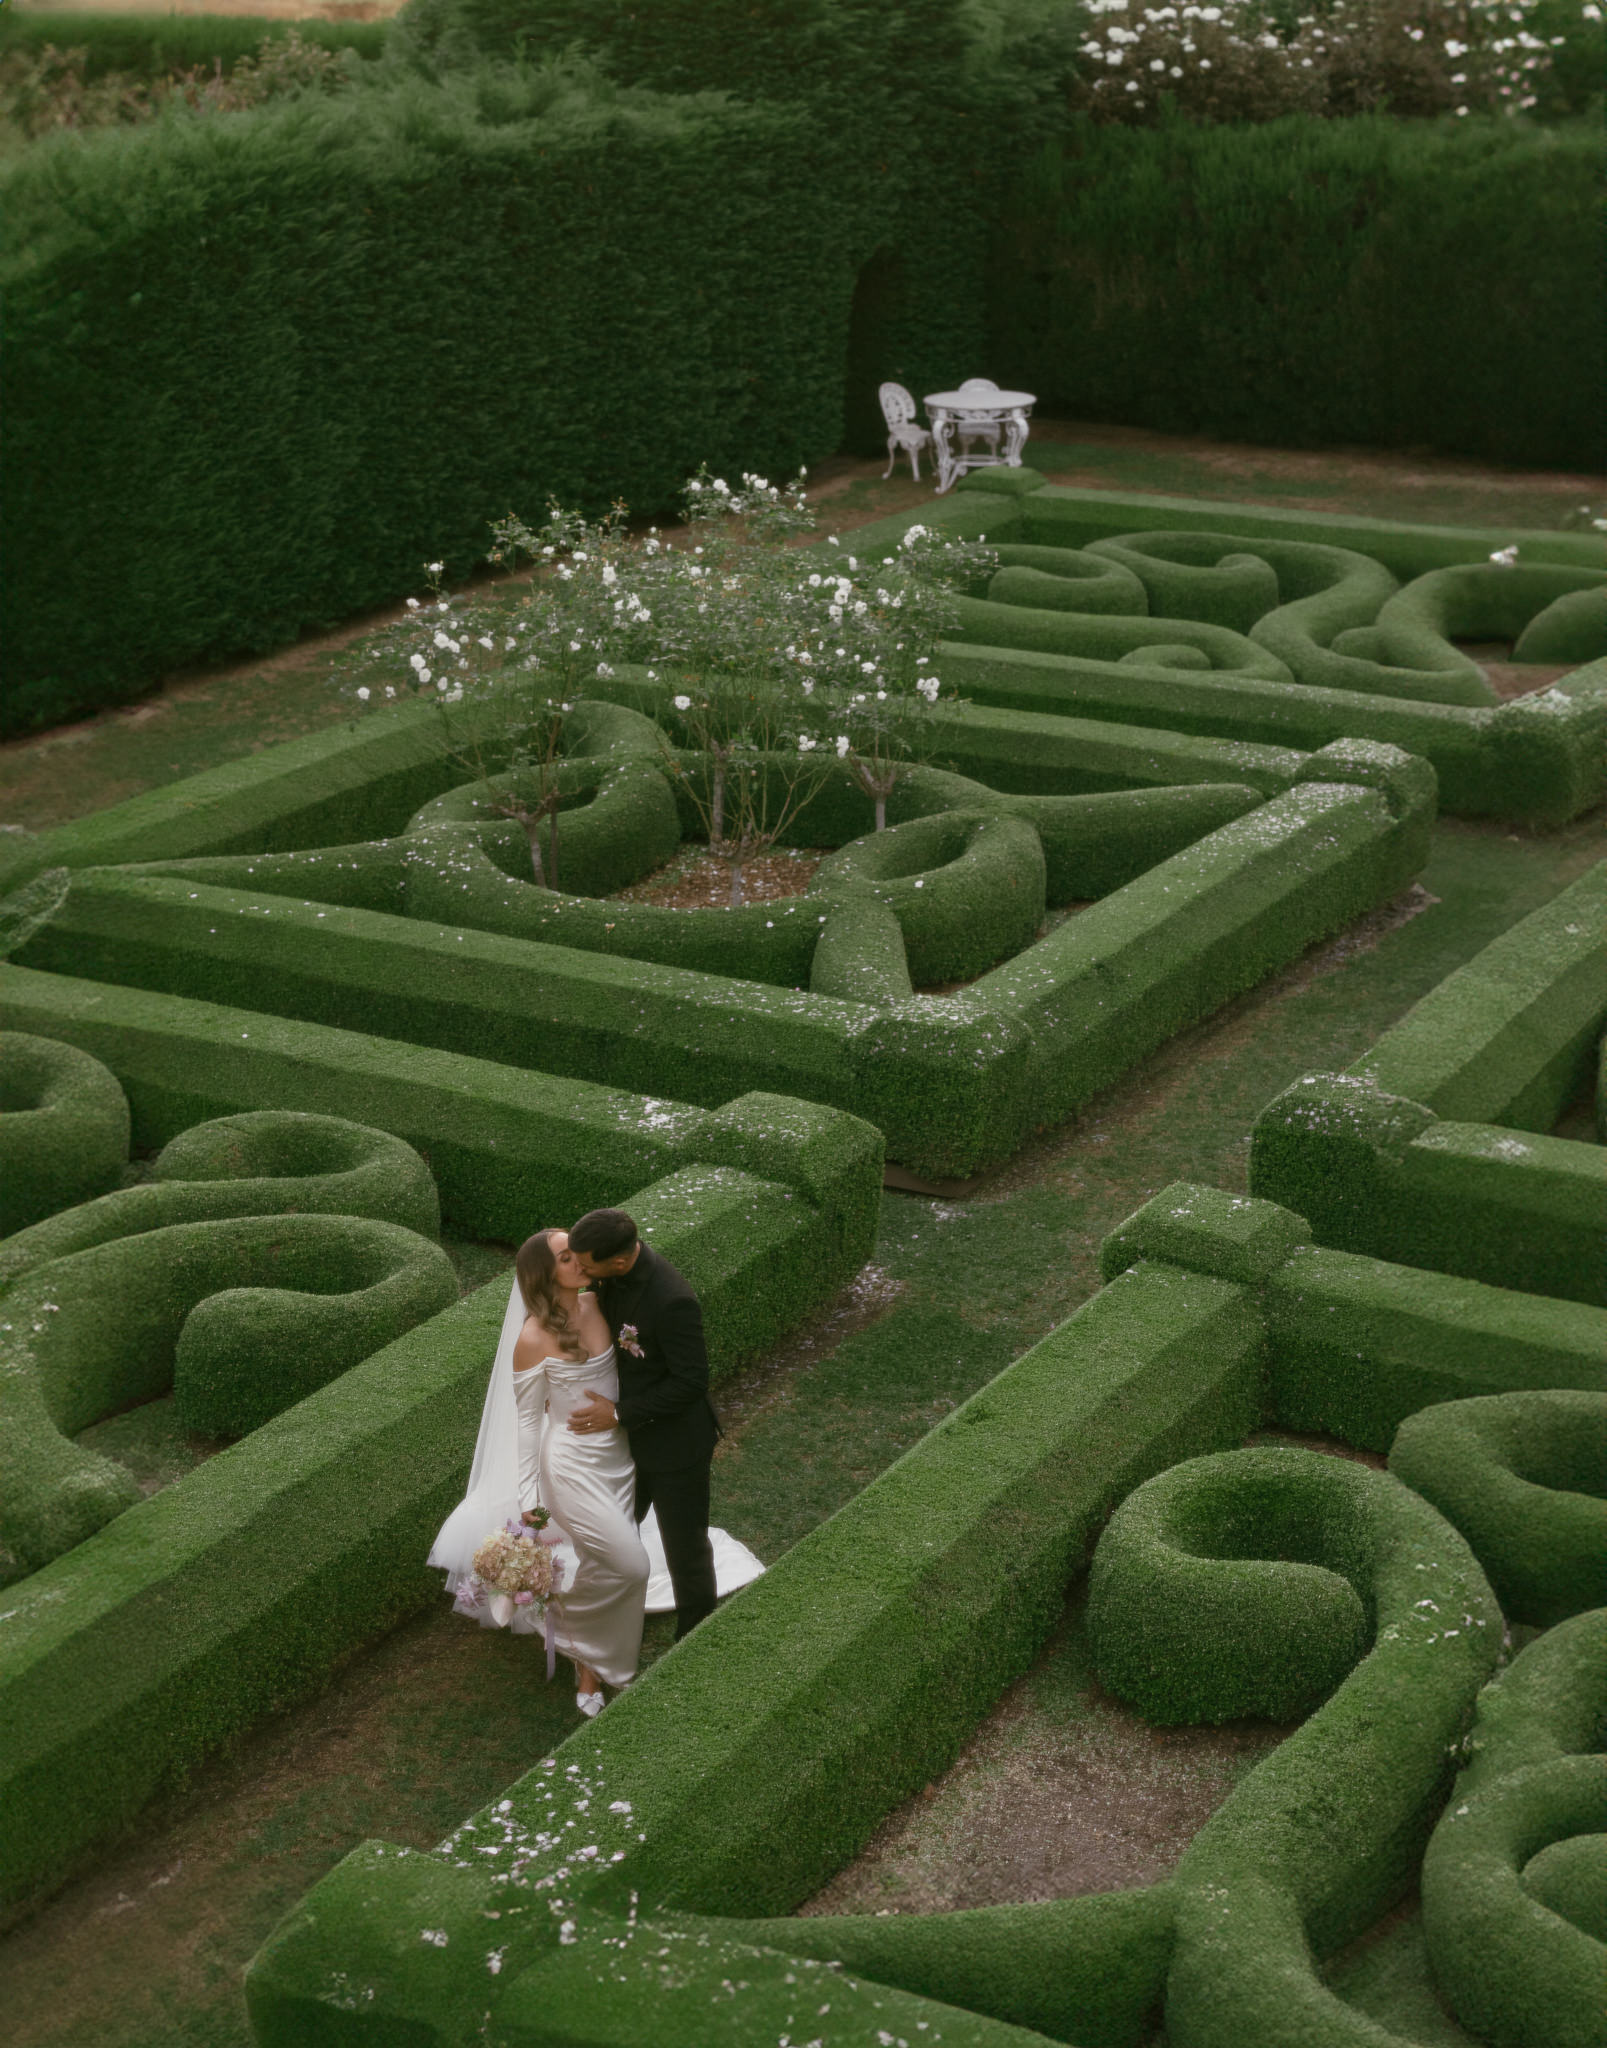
531, 1346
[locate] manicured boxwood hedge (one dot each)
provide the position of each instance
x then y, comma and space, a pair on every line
1355, 1345
238, 1307
1433, 1150
1512, 1882
751, 1770
1234, 1586
63, 1128
237, 1589
747, 1763
1522, 1477
943, 1081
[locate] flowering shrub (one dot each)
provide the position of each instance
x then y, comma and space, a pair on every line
782, 667
1241, 61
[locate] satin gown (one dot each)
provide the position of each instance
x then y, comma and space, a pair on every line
587, 1483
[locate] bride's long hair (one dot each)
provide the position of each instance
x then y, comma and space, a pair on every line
537, 1270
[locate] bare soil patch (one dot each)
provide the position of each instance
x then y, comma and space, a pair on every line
1061, 1791
696, 880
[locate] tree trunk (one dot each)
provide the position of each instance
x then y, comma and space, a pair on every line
736, 885
531, 821
717, 803
881, 810
552, 842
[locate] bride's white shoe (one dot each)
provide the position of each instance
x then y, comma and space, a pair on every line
589, 1703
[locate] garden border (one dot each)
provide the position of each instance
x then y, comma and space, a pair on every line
955, 1083
1433, 1149
732, 1774
1540, 759
238, 1588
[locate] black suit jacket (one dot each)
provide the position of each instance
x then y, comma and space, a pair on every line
664, 1393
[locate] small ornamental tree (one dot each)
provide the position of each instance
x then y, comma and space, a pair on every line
872, 657
775, 668
501, 680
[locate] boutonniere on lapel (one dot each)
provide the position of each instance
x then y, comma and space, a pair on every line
630, 1339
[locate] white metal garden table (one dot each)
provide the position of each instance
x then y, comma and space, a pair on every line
978, 412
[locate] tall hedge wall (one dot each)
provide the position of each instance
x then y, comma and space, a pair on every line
1308, 282
284, 355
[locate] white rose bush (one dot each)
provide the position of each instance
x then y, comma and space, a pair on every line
774, 668
1244, 60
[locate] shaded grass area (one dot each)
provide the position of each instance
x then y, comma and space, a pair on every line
147, 1946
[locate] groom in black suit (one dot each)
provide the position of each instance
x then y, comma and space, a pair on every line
657, 1327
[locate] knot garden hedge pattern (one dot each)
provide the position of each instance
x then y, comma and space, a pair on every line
320, 987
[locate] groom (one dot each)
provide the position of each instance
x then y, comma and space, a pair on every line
657, 1327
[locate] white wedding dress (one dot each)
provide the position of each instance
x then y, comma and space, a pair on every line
587, 1483
609, 1569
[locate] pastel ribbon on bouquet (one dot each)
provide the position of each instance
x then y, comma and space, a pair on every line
552, 1643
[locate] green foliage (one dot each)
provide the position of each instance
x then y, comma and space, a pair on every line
1355, 1345
1088, 1969
63, 1128
302, 1524
47, 89
1433, 283
338, 352
1434, 1150
238, 1306
1512, 1880
1401, 57
762, 1751
1326, 1834
1233, 1586
1522, 1477
952, 1083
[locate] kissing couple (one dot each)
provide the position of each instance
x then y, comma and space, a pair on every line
598, 1418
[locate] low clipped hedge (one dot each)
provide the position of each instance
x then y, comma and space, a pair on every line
1089, 1969
507, 1148
1321, 665
1327, 1833
1234, 1585
1522, 1477
741, 1770
749, 1772
1433, 1150
237, 1590
63, 1128
1356, 1345
1513, 1876
239, 1314
267, 1162
945, 1082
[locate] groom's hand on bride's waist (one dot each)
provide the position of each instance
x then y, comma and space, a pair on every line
594, 1413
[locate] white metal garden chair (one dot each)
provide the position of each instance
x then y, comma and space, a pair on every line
903, 431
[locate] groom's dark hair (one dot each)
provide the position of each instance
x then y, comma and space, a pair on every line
603, 1234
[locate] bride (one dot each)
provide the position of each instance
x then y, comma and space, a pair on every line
554, 1351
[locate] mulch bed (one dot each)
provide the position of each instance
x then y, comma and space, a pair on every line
695, 880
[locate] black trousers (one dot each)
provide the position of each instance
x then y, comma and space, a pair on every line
682, 1500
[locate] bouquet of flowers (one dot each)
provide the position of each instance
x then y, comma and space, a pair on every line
515, 1573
